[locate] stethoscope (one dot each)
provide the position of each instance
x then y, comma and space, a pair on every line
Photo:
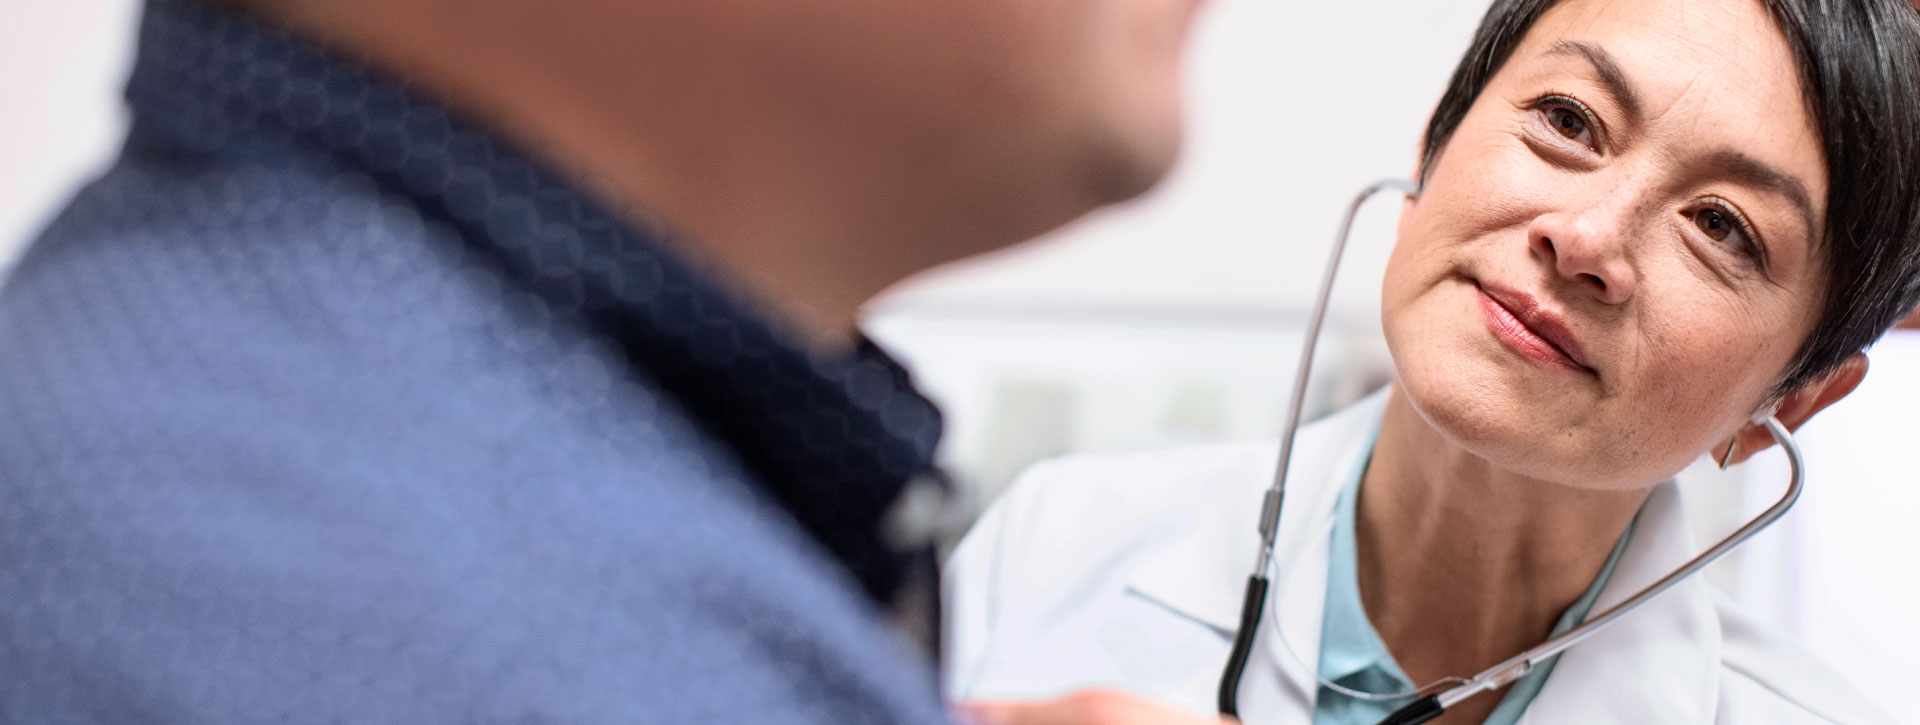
1433, 700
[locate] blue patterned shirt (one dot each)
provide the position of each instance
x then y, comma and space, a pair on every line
323, 404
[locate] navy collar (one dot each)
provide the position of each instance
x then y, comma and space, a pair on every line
834, 439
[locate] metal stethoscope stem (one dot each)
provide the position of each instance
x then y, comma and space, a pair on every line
1493, 678
1257, 583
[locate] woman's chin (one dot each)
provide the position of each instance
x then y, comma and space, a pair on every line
1481, 419
1481, 412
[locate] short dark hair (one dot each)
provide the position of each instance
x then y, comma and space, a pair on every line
1859, 66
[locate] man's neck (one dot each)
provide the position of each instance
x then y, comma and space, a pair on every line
806, 205
1461, 564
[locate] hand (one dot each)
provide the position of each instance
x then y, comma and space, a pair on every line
1089, 707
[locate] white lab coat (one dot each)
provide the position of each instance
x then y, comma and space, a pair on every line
1127, 571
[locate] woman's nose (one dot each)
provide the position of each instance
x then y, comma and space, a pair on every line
1587, 250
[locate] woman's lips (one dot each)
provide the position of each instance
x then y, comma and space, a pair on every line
1516, 318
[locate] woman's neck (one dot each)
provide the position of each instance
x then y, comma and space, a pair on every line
1461, 564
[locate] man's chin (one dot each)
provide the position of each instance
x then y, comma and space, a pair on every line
1129, 163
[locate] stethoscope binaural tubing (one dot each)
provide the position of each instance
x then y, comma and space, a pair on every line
1433, 704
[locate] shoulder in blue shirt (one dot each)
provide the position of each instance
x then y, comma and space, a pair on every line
323, 405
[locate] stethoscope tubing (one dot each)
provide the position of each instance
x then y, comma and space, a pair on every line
1433, 705
1257, 583
1516, 667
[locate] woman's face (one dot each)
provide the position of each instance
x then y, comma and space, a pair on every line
1612, 261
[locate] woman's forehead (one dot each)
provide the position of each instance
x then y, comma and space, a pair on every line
1725, 54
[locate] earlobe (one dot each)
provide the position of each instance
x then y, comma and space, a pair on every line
1798, 407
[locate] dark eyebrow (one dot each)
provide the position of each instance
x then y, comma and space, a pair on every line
1749, 171
1610, 74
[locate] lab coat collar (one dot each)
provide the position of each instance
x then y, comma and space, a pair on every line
1659, 664
1203, 573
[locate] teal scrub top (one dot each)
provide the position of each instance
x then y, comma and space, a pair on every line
1352, 655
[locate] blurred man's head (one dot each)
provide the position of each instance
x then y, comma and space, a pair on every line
843, 143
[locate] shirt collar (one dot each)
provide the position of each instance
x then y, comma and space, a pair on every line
834, 438
1352, 654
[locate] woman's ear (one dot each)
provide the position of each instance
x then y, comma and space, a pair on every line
1799, 406
1406, 215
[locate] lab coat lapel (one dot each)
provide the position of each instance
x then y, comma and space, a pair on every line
1202, 574
1660, 664
1656, 665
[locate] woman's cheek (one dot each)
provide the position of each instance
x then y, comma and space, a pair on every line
1518, 176
1509, 186
1699, 373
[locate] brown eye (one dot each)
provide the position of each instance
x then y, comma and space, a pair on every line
1716, 225
1724, 225
1567, 122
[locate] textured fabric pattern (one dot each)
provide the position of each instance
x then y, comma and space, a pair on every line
323, 405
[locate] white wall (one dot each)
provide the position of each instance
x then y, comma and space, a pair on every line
1177, 318
61, 67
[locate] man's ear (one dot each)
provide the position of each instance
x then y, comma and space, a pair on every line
1799, 406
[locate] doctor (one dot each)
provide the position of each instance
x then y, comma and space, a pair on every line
1640, 223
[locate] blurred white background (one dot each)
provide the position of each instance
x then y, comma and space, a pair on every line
1177, 318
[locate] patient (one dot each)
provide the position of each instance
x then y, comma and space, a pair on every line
1641, 223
